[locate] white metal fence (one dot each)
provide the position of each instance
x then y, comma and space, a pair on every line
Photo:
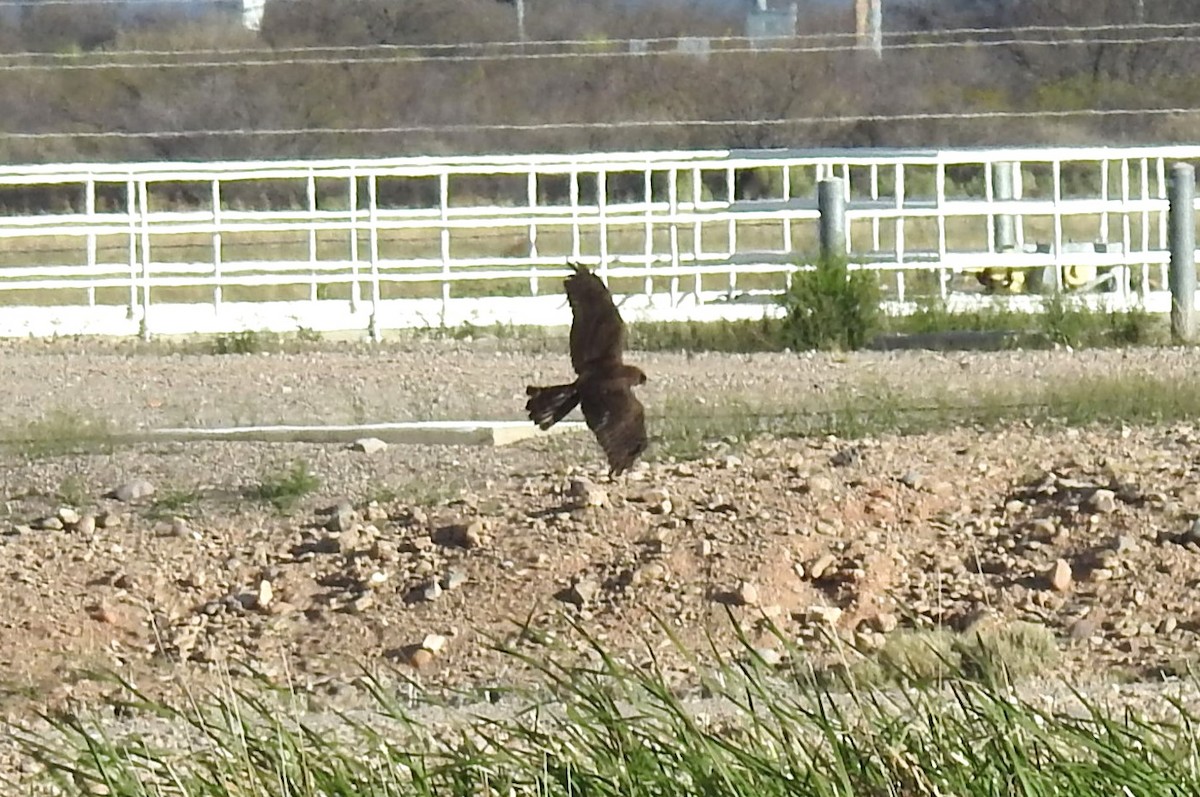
176, 248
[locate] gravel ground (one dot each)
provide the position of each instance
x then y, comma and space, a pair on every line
414, 557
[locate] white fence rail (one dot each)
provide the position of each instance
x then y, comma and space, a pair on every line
177, 248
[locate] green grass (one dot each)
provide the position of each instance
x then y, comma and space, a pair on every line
284, 489
608, 728
988, 654
73, 491
59, 432
173, 503
686, 428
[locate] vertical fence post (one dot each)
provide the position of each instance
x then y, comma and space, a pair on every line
1005, 230
1181, 229
831, 204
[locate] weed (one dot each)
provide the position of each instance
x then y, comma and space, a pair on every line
1003, 653
245, 342
307, 335
689, 429
60, 432
611, 728
285, 488
73, 491
832, 307
767, 334
173, 503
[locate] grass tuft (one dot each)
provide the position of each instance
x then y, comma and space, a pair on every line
284, 489
605, 727
687, 429
60, 432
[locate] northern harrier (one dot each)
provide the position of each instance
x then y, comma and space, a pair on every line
603, 389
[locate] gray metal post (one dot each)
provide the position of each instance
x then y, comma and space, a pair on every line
1181, 240
831, 204
1004, 224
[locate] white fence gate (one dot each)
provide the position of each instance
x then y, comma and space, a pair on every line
177, 248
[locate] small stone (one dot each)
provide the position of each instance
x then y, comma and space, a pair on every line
846, 457
461, 535
1014, 507
368, 445
134, 490
828, 615
1167, 625
420, 658
68, 515
584, 590
180, 528
746, 594
375, 513
1083, 628
654, 571
1101, 502
432, 591
820, 566
1125, 543
376, 580
50, 523
264, 595
770, 656
361, 604
471, 535
109, 520
86, 524
434, 643
1061, 576
884, 622
344, 518
658, 501
454, 578
587, 494
280, 608
913, 480
819, 484
104, 614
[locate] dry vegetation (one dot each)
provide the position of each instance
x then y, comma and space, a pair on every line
392, 88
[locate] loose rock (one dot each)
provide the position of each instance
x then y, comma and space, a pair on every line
587, 493
1061, 576
368, 445
134, 490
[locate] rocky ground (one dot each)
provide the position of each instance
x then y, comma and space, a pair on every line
310, 562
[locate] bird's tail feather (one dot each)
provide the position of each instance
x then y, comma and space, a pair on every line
549, 405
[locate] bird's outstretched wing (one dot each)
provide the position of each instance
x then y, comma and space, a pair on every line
618, 420
597, 331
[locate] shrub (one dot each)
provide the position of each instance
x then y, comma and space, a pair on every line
831, 307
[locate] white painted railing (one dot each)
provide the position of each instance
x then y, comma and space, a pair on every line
176, 248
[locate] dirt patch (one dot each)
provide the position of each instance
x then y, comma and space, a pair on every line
457, 548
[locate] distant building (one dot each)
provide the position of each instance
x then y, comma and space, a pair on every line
765, 21
246, 13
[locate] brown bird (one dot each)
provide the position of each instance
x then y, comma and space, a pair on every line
604, 387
